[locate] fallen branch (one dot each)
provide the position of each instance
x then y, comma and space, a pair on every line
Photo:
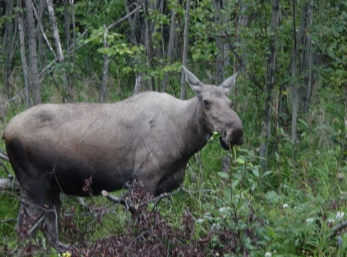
3, 155
336, 229
134, 207
37, 223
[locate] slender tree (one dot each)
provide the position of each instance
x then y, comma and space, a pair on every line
104, 70
23, 57
185, 48
33, 78
305, 40
219, 42
8, 46
58, 50
270, 83
294, 90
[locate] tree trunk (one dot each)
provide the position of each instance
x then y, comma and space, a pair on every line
67, 22
8, 49
148, 41
185, 49
171, 45
59, 51
74, 37
54, 29
24, 61
104, 71
242, 21
306, 88
294, 90
34, 81
219, 43
270, 77
132, 23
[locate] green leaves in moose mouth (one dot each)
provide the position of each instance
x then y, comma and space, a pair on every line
215, 135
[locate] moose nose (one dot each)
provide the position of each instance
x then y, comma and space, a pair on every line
233, 135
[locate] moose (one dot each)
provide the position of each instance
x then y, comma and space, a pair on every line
150, 136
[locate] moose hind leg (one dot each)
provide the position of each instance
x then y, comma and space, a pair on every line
30, 215
50, 223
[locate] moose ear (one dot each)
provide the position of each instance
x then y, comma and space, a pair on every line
229, 83
193, 81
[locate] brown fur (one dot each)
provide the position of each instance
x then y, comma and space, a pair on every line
54, 148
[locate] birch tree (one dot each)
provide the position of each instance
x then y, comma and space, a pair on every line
58, 49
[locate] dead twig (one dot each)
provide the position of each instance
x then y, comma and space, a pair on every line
37, 223
134, 207
7, 221
3, 155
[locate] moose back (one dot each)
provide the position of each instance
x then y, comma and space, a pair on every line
55, 148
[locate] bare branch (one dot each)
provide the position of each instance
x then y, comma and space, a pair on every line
38, 222
7, 221
125, 17
44, 34
3, 154
336, 229
134, 207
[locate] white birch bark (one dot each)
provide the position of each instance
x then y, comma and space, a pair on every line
55, 32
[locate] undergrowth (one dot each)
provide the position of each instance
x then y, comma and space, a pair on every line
228, 207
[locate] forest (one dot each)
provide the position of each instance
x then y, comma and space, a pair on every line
282, 193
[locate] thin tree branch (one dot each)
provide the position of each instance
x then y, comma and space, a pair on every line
134, 207
125, 17
44, 34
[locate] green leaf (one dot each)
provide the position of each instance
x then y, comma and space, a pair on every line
240, 160
215, 135
255, 172
266, 173
234, 183
223, 174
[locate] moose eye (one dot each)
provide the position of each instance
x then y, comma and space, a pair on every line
206, 103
